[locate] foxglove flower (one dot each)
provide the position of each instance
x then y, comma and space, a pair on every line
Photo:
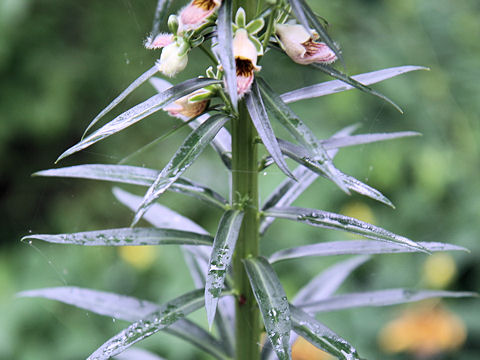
185, 109
301, 46
246, 55
196, 13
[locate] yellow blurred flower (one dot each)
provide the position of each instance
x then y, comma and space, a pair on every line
438, 270
360, 211
140, 257
303, 350
425, 330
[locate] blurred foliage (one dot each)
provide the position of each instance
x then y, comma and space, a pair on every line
63, 61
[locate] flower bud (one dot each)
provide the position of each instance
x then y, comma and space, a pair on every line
160, 41
301, 46
174, 59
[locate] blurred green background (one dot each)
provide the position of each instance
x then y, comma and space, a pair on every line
61, 62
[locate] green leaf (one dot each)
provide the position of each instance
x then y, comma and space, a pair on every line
127, 237
224, 50
378, 298
306, 17
335, 86
161, 13
158, 215
356, 84
220, 259
301, 156
298, 130
340, 142
356, 247
260, 120
273, 304
330, 220
137, 354
328, 281
127, 308
139, 112
188, 152
139, 81
167, 315
321, 336
137, 176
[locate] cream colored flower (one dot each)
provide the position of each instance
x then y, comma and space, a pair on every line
196, 13
301, 46
174, 59
186, 109
246, 55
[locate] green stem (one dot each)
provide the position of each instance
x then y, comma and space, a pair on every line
245, 191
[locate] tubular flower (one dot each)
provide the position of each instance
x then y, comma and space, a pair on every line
197, 12
245, 54
174, 59
185, 109
302, 47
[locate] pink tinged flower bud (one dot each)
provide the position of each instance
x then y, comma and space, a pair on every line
160, 41
196, 13
246, 55
186, 109
301, 46
174, 59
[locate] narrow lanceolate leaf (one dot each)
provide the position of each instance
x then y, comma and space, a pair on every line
139, 81
159, 215
298, 130
353, 140
347, 79
224, 50
288, 191
330, 220
335, 86
328, 281
139, 112
126, 308
127, 237
223, 248
321, 336
260, 120
161, 13
306, 17
378, 298
188, 152
298, 154
137, 354
356, 247
273, 304
137, 176
167, 315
